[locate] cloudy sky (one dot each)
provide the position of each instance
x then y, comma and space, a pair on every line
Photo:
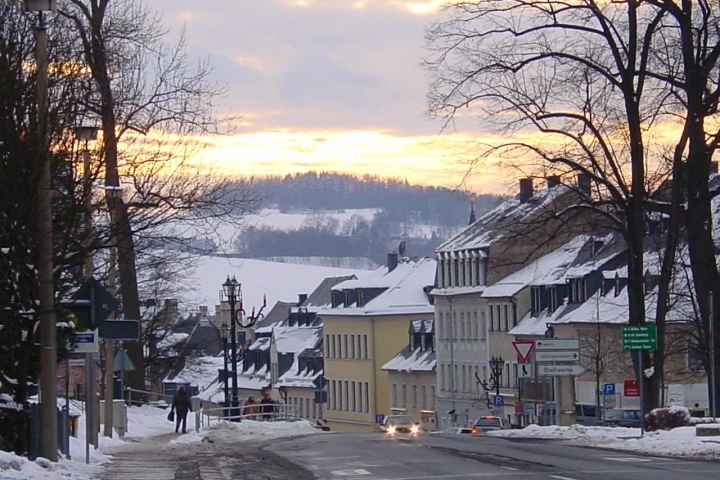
324, 85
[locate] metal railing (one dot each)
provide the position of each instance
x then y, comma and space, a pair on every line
273, 412
207, 412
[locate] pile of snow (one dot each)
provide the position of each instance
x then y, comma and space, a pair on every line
678, 442
248, 431
143, 423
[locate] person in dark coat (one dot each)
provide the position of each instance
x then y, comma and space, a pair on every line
266, 406
181, 405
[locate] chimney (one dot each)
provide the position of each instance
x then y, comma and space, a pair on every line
526, 189
203, 309
714, 167
553, 181
171, 304
392, 261
302, 297
583, 183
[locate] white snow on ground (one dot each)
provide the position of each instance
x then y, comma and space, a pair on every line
679, 442
143, 422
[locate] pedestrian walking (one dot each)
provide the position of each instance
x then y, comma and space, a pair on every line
266, 406
181, 405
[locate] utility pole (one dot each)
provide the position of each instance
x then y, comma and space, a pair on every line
46, 289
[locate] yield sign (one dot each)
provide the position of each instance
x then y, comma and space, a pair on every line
523, 348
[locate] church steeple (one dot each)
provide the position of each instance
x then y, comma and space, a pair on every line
472, 211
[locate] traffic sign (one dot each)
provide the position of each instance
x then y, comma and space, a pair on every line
631, 388
560, 370
379, 418
498, 401
120, 329
85, 342
99, 300
557, 344
523, 348
525, 370
557, 356
608, 389
639, 337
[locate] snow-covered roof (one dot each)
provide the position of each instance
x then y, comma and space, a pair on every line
299, 379
199, 372
296, 339
573, 259
262, 344
493, 225
417, 360
404, 290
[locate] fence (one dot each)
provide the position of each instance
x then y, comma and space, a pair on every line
207, 412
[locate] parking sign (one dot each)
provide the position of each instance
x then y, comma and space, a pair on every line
379, 418
608, 389
498, 401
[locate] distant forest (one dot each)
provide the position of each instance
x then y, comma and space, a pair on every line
402, 208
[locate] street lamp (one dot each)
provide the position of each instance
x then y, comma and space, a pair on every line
46, 293
224, 332
496, 368
232, 293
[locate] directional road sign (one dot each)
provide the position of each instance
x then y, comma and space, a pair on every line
560, 370
557, 356
523, 348
639, 337
557, 344
85, 342
120, 329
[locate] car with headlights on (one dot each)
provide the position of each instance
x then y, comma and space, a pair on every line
400, 424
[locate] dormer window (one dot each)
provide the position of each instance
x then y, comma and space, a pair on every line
578, 293
552, 299
360, 300
537, 304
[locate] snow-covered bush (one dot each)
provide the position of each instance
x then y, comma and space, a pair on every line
667, 418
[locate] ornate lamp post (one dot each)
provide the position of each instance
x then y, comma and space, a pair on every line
496, 368
232, 293
224, 332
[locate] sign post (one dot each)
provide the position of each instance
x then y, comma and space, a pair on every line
639, 338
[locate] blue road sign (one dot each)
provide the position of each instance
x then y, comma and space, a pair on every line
498, 401
379, 418
608, 389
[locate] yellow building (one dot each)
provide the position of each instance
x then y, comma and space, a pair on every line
411, 374
366, 327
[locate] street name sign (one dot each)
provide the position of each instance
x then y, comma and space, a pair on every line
639, 337
560, 370
557, 356
85, 342
557, 344
523, 348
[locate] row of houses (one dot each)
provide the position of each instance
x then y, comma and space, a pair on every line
418, 335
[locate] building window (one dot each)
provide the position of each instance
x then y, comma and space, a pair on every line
345, 347
552, 299
352, 346
366, 397
492, 318
432, 396
404, 396
360, 299
415, 396
353, 397
333, 395
365, 347
423, 396
505, 318
394, 394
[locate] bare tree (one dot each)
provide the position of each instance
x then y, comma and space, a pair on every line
571, 86
155, 107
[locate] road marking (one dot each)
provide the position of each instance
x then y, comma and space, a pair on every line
350, 473
561, 478
628, 459
510, 468
332, 459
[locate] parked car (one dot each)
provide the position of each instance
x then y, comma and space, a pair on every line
489, 423
455, 431
400, 424
585, 414
623, 417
